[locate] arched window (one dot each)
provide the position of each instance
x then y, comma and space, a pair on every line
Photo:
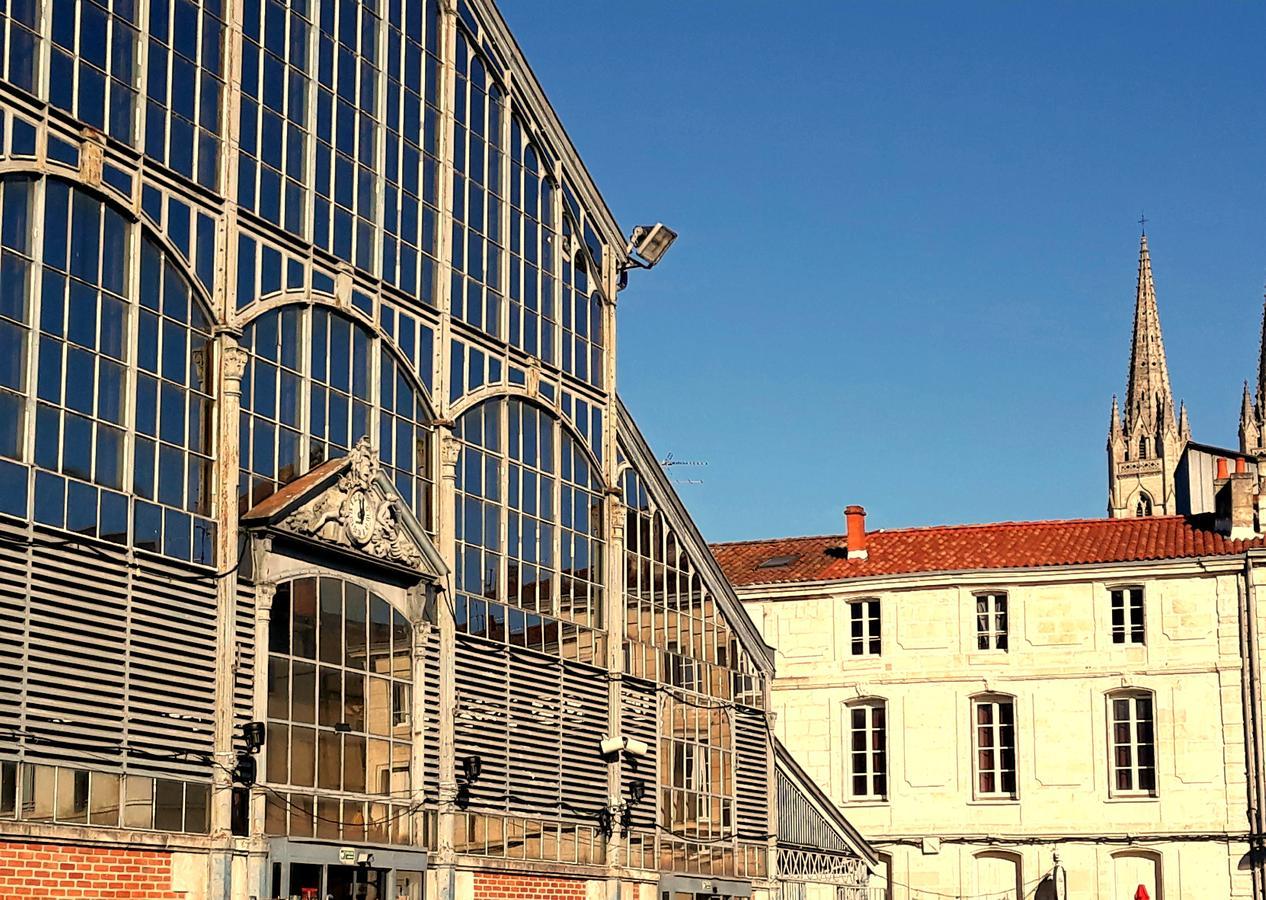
1144, 506
104, 343
529, 532
998, 874
339, 713
1132, 743
1132, 869
316, 383
868, 749
993, 745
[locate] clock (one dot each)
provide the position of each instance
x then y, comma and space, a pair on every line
358, 517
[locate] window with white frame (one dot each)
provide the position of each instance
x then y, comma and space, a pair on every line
1133, 740
868, 750
864, 616
1127, 615
991, 621
993, 719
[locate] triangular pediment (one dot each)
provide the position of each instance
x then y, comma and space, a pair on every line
350, 505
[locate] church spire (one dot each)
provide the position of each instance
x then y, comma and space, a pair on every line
1250, 433
1149, 406
1252, 426
1143, 455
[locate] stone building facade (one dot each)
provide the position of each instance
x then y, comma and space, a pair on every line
1000, 707
330, 563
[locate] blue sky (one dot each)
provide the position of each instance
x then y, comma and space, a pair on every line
909, 238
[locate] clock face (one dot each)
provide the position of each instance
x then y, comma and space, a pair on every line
358, 517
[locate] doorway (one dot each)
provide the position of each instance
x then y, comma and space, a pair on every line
316, 881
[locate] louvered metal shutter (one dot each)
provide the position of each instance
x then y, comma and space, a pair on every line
77, 663
639, 714
752, 746
431, 715
481, 728
535, 767
100, 653
14, 575
171, 678
800, 824
244, 675
585, 720
536, 723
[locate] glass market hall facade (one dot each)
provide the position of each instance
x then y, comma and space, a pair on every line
308, 421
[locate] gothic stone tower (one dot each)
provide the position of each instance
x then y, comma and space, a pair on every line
1144, 446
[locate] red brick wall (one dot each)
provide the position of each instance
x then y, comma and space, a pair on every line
66, 871
498, 886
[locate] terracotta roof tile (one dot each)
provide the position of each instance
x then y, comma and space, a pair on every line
955, 548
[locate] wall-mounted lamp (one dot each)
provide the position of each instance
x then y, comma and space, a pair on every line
651, 242
647, 246
253, 733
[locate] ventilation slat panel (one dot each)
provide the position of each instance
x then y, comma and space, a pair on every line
753, 748
639, 709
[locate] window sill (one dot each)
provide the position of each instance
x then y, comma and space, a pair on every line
863, 802
1133, 798
994, 801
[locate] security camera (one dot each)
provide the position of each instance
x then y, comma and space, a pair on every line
635, 747
611, 745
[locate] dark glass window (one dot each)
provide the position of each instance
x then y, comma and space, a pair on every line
864, 627
1133, 744
991, 621
868, 751
1127, 616
994, 744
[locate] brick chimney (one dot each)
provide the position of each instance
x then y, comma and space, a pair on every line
1235, 502
855, 532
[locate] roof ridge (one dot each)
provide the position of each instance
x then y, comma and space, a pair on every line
962, 526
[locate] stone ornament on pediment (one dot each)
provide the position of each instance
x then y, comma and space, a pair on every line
357, 513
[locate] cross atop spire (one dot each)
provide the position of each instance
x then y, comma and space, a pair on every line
1149, 406
1143, 224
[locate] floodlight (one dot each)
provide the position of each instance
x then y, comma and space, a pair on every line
651, 242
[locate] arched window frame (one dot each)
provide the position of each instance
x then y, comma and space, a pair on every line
315, 317
995, 746
501, 515
868, 764
339, 804
1153, 857
1014, 859
157, 493
1131, 743
1143, 507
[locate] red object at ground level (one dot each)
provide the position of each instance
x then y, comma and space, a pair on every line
1141, 894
